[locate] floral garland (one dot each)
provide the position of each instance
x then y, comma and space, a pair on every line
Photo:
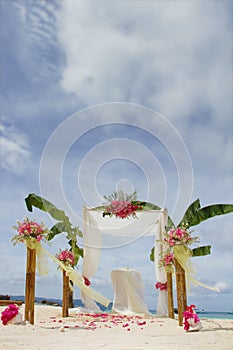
67, 257
173, 237
161, 286
122, 205
29, 230
191, 320
9, 313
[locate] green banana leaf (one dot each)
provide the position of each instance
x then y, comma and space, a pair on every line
195, 214
63, 225
76, 250
152, 252
36, 201
201, 251
57, 229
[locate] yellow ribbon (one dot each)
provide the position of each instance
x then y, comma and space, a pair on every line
77, 278
41, 259
183, 256
43, 269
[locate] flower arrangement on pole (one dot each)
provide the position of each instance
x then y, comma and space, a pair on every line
29, 231
175, 244
66, 257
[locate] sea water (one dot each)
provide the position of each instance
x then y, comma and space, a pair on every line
211, 314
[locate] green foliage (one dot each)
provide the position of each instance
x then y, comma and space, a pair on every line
194, 215
63, 224
201, 251
152, 252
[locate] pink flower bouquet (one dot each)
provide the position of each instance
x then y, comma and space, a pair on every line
191, 321
67, 257
11, 315
29, 230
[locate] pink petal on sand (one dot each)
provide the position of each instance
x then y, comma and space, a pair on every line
125, 325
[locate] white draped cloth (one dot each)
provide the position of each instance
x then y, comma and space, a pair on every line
128, 292
147, 223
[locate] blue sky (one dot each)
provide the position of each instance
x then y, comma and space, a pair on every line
133, 95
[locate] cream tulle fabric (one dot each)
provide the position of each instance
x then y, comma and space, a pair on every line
128, 292
147, 223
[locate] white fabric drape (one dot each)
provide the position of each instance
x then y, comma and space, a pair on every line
128, 292
147, 223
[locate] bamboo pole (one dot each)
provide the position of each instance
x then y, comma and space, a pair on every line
170, 296
181, 291
30, 285
65, 297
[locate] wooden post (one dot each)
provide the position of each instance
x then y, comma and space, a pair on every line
65, 297
30, 285
170, 296
71, 295
181, 291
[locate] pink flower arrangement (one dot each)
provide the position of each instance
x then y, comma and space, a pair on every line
179, 235
122, 209
67, 257
174, 236
191, 320
29, 229
9, 313
122, 205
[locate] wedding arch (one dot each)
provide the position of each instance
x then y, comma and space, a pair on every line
147, 223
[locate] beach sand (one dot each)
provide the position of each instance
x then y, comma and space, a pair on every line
111, 332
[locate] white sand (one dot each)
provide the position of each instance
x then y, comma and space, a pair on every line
112, 332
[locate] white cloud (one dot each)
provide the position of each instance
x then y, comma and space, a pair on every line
165, 54
37, 37
15, 154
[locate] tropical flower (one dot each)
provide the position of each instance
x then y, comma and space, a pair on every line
179, 235
67, 257
9, 313
121, 205
190, 317
30, 230
161, 286
86, 281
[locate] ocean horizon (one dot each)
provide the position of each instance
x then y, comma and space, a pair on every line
202, 314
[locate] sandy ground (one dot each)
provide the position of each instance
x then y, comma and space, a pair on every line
111, 332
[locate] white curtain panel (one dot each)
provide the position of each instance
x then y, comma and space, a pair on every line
147, 223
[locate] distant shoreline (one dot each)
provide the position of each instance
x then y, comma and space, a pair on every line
225, 315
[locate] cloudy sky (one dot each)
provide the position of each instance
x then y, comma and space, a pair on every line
129, 94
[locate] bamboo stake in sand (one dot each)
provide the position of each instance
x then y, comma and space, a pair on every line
30, 285
65, 297
170, 296
181, 291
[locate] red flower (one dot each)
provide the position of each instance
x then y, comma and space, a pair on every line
161, 286
86, 281
9, 313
